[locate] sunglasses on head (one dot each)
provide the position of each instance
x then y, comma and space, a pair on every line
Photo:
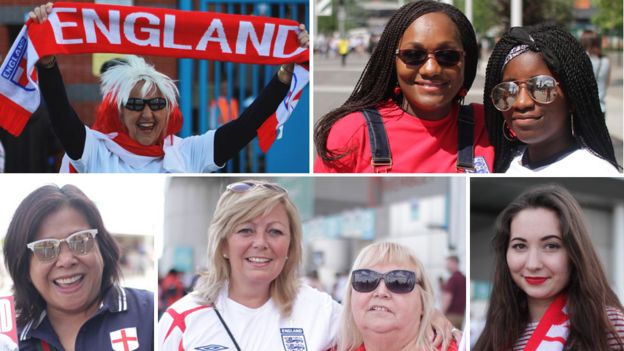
542, 89
138, 104
398, 281
241, 187
416, 57
80, 243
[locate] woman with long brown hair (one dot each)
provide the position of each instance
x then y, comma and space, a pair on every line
549, 287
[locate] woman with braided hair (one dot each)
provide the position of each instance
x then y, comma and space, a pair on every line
404, 113
542, 109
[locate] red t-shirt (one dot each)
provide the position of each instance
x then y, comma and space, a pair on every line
416, 145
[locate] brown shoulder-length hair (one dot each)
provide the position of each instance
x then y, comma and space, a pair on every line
30, 213
588, 289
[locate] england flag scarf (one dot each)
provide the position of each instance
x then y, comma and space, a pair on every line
553, 329
76, 28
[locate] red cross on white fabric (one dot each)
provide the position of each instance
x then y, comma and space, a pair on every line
125, 339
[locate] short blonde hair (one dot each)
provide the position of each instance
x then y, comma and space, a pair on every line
349, 336
234, 208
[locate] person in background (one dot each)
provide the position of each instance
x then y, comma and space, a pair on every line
172, 287
592, 44
454, 293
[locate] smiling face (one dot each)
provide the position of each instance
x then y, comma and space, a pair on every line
382, 311
430, 88
71, 283
258, 249
545, 128
537, 259
147, 127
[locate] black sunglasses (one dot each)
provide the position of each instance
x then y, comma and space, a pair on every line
416, 57
138, 104
398, 281
542, 89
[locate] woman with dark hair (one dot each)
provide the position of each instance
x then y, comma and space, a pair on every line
405, 114
542, 109
65, 269
549, 286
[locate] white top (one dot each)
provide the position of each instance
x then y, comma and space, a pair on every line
580, 162
602, 69
194, 154
188, 325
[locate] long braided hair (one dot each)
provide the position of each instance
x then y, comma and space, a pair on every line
379, 77
567, 59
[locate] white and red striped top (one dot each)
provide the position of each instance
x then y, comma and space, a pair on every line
615, 315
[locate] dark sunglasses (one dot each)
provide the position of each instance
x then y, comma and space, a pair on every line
416, 57
397, 281
80, 243
138, 104
241, 187
542, 89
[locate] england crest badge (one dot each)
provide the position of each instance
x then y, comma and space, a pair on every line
124, 339
293, 339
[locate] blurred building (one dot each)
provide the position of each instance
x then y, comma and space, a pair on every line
340, 214
602, 200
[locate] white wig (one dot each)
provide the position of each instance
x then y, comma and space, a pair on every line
119, 80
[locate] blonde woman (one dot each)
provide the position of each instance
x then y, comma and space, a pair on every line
250, 298
393, 315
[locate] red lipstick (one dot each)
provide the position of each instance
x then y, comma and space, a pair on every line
535, 280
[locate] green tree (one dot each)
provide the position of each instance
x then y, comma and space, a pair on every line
483, 14
609, 15
537, 11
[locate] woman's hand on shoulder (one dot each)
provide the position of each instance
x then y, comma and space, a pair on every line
443, 331
39, 15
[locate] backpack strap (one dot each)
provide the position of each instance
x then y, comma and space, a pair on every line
378, 141
465, 142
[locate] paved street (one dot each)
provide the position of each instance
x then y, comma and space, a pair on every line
333, 84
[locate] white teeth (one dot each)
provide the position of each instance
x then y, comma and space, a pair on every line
258, 259
379, 308
67, 281
146, 125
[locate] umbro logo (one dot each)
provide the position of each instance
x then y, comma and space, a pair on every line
211, 347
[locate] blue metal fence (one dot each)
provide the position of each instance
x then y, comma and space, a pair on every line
199, 92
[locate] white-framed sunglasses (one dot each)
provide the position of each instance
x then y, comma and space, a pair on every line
80, 243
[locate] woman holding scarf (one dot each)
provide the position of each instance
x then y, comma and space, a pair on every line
549, 290
542, 108
136, 122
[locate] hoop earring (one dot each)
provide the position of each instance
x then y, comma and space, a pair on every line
506, 130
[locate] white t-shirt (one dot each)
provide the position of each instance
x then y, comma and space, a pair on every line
312, 326
580, 162
194, 154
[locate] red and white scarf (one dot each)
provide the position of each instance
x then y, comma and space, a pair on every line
75, 28
553, 329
